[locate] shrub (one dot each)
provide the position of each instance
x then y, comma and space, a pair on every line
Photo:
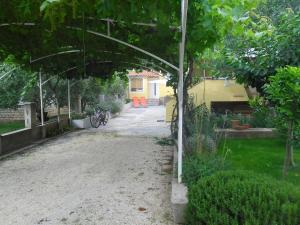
235, 197
197, 166
78, 116
262, 114
199, 129
115, 107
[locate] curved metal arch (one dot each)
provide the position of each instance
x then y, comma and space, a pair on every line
107, 37
110, 52
55, 54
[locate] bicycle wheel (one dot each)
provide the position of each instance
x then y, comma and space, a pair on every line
106, 117
95, 122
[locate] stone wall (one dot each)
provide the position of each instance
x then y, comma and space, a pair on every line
52, 111
18, 114
11, 114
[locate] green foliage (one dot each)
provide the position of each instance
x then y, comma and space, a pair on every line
236, 197
78, 116
116, 106
164, 141
115, 86
200, 131
60, 25
269, 39
284, 92
89, 90
197, 166
13, 86
262, 114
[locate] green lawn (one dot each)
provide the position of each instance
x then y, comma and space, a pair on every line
261, 156
11, 126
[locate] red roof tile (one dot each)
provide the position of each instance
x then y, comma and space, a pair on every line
144, 73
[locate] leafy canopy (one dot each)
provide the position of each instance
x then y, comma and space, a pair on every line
284, 92
34, 29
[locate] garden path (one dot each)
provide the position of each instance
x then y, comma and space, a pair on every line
92, 177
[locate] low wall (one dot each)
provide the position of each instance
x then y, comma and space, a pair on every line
248, 133
11, 114
52, 111
12, 141
18, 114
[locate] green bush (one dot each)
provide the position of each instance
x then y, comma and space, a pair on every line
262, 114
78, 116
197, 166
237, 197
116, 107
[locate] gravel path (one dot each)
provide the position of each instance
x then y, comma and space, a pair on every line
90, 177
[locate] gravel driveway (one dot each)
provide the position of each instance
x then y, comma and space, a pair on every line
100, 176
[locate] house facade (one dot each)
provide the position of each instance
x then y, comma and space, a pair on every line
219, 95
151, 85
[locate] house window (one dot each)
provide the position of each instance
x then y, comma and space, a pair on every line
137, 84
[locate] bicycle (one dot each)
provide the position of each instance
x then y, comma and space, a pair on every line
98, 117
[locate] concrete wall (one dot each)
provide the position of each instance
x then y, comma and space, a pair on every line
12, 141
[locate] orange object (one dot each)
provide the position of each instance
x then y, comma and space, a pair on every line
144, 102
135, 102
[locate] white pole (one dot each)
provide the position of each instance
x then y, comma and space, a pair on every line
184, 4
7, 73
69, 100
41, 97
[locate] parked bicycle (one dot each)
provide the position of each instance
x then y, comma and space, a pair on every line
99, 117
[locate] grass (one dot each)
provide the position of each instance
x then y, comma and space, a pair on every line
11, 126
262, 156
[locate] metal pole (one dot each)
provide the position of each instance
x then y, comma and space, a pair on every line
108, 28
69, 100
184, 4
41, 97
7, 73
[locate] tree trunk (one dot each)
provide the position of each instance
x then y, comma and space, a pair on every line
186, 108
289, 160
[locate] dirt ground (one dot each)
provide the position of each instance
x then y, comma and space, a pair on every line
100, 176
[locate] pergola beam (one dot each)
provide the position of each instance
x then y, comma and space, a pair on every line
7, 73
128, 45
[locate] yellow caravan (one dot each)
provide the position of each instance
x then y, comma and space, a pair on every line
218, 95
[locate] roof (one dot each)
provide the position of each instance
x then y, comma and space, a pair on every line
144, 73
219, 91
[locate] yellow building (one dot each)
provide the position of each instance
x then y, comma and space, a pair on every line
218, 95
151, 85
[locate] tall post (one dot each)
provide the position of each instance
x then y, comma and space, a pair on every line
184, 5
69, 100
41, 97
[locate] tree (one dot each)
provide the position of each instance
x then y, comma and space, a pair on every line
284, 92
13, 85
115, 87
270, 40
88, 90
